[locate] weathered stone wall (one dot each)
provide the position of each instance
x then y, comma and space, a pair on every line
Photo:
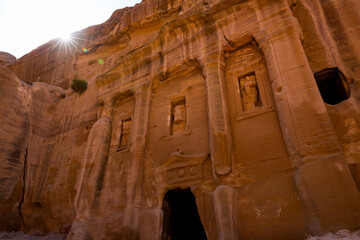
330, 40
215, 96
13, 141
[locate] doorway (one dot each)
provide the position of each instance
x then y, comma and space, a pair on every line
181, 217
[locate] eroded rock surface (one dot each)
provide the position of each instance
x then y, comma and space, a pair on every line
23, 236
246, 110
14, 136
6, 58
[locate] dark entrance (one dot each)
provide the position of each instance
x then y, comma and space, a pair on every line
332, 85
181, 217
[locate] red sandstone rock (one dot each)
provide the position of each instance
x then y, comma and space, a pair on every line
218, 97
6, 58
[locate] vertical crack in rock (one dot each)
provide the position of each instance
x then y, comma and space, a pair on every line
27, 100
23, 185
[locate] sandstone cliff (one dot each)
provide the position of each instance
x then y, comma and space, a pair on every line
222, 103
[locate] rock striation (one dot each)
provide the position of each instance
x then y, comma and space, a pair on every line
6, 58
217, 119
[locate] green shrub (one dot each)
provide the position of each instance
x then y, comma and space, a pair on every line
79, 85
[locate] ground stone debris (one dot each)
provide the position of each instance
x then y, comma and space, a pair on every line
24, 236
341, 234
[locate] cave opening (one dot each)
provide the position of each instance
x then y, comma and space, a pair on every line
181, 217
332, 85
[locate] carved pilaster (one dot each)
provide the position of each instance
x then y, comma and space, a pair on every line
93, 169
136, 173
224, 198
99, 138
307, 130
139, 134
220, 138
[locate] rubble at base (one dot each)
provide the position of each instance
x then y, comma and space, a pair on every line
24, 236
341, 234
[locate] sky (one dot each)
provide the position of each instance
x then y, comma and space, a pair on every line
27, 24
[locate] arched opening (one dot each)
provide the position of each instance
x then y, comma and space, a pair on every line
181, 217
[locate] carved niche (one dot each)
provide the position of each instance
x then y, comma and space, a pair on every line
178, 116
125, 133
249, 91
247, 78
122, 124
179, 168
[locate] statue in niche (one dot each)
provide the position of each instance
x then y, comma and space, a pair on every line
178, 116
249, 92
125, 133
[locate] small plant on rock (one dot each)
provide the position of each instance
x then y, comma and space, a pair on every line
79, 85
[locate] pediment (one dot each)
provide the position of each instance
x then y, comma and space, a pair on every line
180, 168
177, 159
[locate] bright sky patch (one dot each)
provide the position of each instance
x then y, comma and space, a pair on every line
25, 24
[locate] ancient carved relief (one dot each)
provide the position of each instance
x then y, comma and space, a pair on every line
178, 117
125, 133
247, 79
183, 168
249, 91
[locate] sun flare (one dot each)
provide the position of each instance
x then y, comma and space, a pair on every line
66, 37
44, 22
67, 44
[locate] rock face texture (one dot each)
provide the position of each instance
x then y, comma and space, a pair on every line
6, 58
218, 119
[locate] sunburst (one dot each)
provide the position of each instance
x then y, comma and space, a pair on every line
66, 37
68, 44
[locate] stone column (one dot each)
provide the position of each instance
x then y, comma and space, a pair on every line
323, 179
136, 166
86, 202
219, 128
224, 198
